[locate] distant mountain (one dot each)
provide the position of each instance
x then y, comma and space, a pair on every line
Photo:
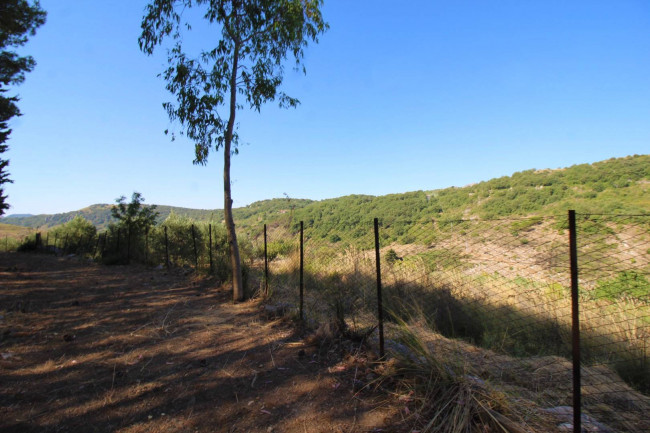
18, 215
618, 185
100, 214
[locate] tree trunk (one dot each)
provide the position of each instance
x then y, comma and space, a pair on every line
235, 261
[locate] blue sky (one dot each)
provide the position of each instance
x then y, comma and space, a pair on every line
398, 96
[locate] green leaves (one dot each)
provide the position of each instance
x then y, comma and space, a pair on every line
133, 215
18, 19
256, 35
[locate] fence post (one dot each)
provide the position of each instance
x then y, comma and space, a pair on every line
575, 320
166, 249
128, 245
380, 308
196, 256
210, 244
99, 236
302, 285
146, 244
104, 243
266, 265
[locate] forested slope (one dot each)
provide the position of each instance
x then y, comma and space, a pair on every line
617, 185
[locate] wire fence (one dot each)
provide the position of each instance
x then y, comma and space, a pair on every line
503, 302
493, 299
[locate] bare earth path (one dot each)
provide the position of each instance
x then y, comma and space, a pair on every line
88, 348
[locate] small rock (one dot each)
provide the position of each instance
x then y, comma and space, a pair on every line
68, 337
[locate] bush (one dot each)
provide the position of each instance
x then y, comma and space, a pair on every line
391, 256
77, 235
628, 284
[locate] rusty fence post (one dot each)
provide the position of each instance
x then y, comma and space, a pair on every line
575, 320
302, 268
210, 244
266, 265
196, 256
380, 308
166, 249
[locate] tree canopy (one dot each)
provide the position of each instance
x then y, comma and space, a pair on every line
18, 20
247, 60
133, 215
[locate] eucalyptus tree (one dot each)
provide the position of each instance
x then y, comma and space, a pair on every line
247, 61
18, 20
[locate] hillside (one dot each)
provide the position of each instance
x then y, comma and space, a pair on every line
100, 214
614, 186
617, 185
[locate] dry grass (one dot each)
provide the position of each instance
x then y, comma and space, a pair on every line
499, 310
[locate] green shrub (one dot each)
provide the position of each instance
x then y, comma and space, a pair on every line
77, 235
628, 284
391, 256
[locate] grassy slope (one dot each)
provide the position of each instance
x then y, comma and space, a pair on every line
14, 232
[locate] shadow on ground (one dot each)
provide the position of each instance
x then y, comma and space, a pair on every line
87, 348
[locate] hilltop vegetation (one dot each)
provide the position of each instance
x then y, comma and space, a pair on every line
100, 214
618, 185
613, 186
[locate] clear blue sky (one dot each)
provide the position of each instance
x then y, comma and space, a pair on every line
398, 96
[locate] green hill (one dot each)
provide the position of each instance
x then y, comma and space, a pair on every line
618, 185
613, 186
100, 214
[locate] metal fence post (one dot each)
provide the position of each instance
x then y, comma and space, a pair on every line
146, 244
166, 249
210, 244
128, 245
196, 256
99, 236
104, 244
575, 320
302, 267
266, 265
380, 308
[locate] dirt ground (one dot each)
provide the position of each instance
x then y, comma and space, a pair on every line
89, 348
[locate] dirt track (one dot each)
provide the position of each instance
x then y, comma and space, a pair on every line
87, 348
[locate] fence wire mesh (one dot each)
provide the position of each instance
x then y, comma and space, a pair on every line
489, 299
614, 271
492, 302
